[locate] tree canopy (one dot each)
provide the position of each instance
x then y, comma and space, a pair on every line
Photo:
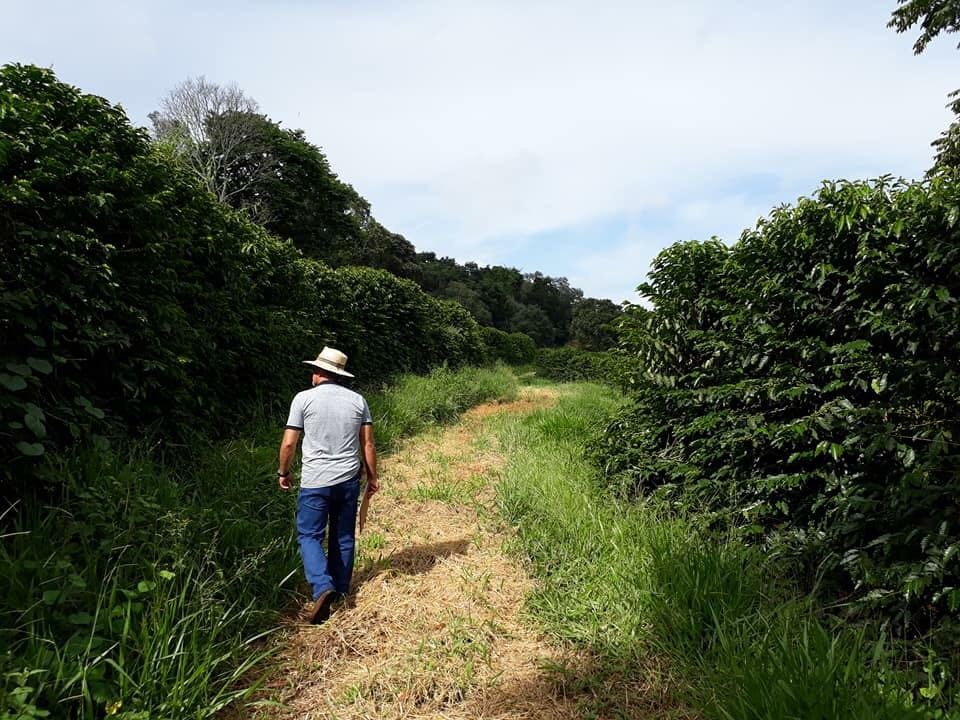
592, 326
503, 297
933, 16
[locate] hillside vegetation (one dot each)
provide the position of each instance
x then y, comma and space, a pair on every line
132, 299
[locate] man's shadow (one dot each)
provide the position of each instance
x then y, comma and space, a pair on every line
414, 560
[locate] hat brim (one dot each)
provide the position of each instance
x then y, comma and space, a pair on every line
328, 368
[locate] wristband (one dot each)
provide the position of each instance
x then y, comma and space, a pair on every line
286, 474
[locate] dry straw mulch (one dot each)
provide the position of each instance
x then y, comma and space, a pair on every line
434, 627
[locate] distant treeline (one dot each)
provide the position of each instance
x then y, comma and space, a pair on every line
285, 183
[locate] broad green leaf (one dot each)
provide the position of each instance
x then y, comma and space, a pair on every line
19, 369
908, 455
36, 424
12, 382
40, 365
30, 449
94, 411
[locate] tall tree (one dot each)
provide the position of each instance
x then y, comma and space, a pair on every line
591, 327
555, 297
212, 128
468, 298
499, 287
947, 146
531, 320
381, 248
933, 16
300, 197
435, 273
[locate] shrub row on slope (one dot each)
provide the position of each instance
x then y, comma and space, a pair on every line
512, 348
805, 385
128, 293
570, 364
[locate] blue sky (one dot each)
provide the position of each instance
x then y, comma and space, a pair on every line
574, 138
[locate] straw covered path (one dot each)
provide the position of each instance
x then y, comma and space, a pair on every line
435, 627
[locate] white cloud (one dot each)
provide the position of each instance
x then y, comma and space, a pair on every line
466, 123
615, 271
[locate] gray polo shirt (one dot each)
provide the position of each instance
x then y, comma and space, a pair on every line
330, 417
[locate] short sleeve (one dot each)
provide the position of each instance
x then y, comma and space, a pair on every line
367, 419
295, 419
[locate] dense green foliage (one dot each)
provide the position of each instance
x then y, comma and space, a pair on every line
593, 326
297, 196
933, 16
947, 146
163, 575
130, 295
804, 386
303, 199
570, 364
511, 348
675, 611
501, 297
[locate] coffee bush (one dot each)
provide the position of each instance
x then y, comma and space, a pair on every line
804, 386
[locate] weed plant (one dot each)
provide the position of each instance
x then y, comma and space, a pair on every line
630, 581
145, 588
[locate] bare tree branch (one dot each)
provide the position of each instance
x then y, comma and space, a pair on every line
214, 129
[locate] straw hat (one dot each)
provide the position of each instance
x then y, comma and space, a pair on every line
330, 360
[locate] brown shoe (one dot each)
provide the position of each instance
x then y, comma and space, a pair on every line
320, 610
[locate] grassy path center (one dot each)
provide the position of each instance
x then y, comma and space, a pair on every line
434, 628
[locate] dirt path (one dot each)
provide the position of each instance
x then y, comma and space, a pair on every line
434, 629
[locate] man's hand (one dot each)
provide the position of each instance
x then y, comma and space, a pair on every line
369, 450
288, 446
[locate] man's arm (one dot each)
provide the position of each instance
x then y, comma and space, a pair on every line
288, 447
369, 457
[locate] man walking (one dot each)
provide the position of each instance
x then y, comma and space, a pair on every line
337, 442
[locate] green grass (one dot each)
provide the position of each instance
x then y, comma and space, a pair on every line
455, 492
417, 402
144, 590
528, 376
630, 583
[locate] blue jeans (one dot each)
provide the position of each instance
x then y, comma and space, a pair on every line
318, 508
